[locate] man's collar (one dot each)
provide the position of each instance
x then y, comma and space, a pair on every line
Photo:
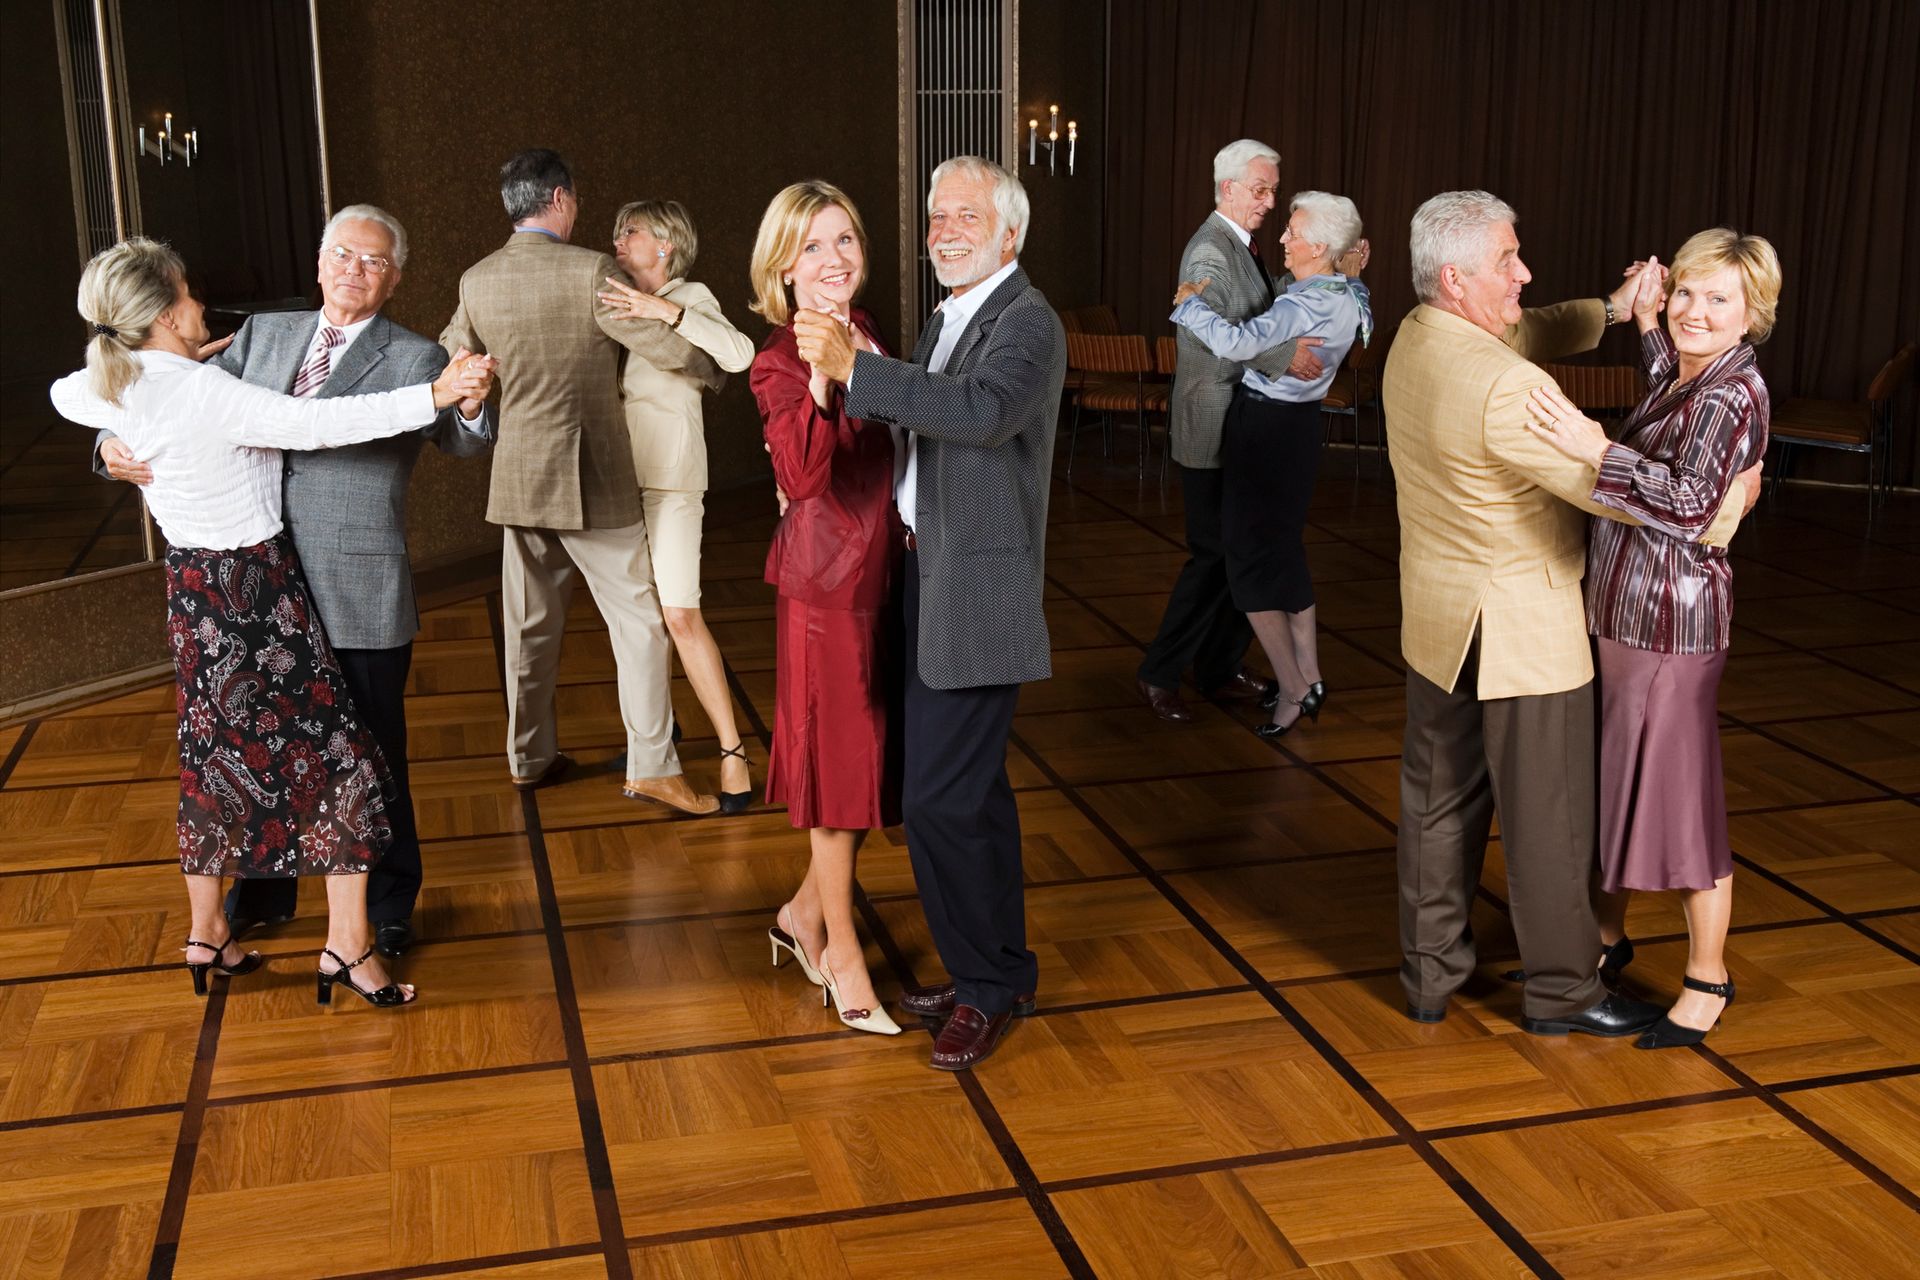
520, 228
960, 307
1246, 236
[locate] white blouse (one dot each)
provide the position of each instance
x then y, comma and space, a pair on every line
214, 441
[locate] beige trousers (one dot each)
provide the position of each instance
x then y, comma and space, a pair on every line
538, 570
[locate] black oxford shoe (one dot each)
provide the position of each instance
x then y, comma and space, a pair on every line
392, 937
1617, 1015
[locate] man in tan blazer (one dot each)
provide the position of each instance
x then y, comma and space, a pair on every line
563, 482
1499, 671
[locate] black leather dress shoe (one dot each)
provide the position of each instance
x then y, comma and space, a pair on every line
968, 1038
242, 925
1244, 687
1418, 1014
1166, 703
392, 937
936, 1001
1617, 1015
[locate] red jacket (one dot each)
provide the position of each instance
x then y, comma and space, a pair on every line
836, 545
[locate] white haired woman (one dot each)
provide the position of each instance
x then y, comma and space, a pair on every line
1270, 441
1660, 603
655, 243
278, 774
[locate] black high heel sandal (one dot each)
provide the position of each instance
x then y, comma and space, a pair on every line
1612, 961
732, 802
1668, 1034
387, 997
248, 963
1309, 705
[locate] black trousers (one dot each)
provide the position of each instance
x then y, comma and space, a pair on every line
1200, 629
377, 679
963, 827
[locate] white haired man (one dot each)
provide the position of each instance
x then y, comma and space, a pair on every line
346, 510
977, 406
1201, 630
1499, 673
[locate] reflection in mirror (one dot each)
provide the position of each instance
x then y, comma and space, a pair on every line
199, 127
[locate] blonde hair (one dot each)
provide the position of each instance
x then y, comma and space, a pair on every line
123, 292
783, 229
1759, 266
664, 220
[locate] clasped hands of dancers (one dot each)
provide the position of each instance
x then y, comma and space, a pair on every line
909, 559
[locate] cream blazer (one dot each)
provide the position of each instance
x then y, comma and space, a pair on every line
1493, 520
663, 405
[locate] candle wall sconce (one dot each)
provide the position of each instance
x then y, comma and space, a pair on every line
1052, 142
168, 144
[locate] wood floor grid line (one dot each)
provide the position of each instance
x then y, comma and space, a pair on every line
463, 1266
19, 748
173, 1208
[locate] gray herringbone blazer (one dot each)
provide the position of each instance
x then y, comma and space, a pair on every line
347, 508
984, 436
1202, 382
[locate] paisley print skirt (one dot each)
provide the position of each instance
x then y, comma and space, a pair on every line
278, 775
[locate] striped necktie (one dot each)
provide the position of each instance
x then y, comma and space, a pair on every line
318, 365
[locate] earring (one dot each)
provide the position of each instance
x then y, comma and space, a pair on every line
659, 253
787, 280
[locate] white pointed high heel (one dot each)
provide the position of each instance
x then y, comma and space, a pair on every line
874, 1020
791, 944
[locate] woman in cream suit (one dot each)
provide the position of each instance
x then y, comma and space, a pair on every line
655, 243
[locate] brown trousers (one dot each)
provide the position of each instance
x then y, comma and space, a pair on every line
1531, 758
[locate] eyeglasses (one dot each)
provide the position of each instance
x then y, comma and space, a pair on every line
340, 259
1258, 191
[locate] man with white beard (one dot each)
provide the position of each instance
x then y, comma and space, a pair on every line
976, 409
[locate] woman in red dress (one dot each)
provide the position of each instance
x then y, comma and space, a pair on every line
832, 559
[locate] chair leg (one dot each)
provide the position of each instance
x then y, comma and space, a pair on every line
1073, 438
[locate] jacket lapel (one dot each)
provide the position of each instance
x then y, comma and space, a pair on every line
983, 319
360, 359
929, 339
283, 360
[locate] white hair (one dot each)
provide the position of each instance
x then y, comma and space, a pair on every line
1010, 202
376, 215
1331, 220
1230, 162
1452, 228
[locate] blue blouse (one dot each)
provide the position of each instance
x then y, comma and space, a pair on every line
1331, 307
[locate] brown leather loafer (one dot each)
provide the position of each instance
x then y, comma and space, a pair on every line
937, 1001
968, 1037
1244, 687
561, 766
1166, 703
674, 792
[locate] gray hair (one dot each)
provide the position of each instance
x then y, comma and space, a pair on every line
123, 293
1331, 220
1010, 202
1452, 228
380, 218
1230, 162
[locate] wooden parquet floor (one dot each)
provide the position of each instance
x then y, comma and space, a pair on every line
605, 1078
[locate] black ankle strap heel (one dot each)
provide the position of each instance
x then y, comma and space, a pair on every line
732, 802
248, 963
1668, 1034
387, 997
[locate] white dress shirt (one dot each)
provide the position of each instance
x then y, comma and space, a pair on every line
956, 313
348, 332
1246, 236
214, 441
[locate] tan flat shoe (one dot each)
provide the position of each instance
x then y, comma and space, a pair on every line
673, 792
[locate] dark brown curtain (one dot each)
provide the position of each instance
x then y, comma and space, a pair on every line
1615, 129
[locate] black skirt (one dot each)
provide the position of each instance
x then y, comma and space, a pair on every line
278, 775
1269, 458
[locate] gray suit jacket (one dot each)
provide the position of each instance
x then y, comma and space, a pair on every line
984, 437
1202, 382
347, 508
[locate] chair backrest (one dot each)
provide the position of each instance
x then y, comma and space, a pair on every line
1892, 374
1070, 321
1108, 353
1098, 318
1166, 355
1599, 386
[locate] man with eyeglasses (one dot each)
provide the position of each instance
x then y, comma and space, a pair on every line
1201, 630
346, 510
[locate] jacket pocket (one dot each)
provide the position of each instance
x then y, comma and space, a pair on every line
1567, 570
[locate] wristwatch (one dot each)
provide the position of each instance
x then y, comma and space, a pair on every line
1606, 302
675, 322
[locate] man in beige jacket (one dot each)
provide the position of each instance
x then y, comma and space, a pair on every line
1499, 672
563, 481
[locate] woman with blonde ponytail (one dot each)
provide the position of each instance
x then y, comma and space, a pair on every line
278, 774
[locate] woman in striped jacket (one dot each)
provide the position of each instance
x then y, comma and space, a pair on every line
1660, 603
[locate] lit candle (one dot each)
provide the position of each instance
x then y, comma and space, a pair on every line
1033, 141
1053, 121
1073, 142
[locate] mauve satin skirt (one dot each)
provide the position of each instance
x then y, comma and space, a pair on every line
1663, 797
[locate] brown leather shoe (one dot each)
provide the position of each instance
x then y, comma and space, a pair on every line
561, 766
1244, 687
937, 1001
968, 1037
1166, 703
674, 792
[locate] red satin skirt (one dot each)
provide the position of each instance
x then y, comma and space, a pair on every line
834, 761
